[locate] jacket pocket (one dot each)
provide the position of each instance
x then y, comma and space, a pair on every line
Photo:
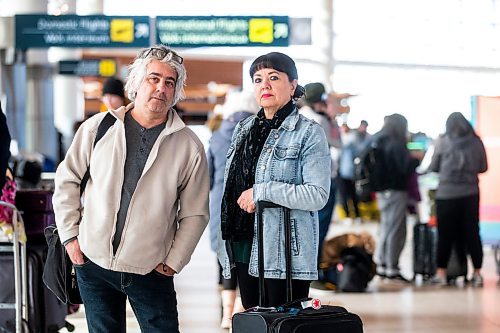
285, 163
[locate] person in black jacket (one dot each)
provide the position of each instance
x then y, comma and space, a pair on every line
4, 147
393, 197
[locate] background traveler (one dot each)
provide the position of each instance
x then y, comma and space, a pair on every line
350, 149
146, 203
392, 198
237, 106
113, 94
316, 108
459, 156
282, 157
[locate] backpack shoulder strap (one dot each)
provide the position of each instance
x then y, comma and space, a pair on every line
105, 124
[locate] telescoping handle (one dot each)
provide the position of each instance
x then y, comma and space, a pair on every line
260, 206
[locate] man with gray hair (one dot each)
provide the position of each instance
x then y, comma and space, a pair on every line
146, 201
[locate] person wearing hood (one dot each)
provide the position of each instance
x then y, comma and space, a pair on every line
392, 197
459, 157
239, 105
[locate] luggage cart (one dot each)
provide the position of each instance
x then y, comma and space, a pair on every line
18, 248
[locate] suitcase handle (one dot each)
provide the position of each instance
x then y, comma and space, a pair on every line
260, 206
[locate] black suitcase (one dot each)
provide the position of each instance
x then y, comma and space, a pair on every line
424, 250
290, 317
34, 201
37, 211
46, 314
425, 254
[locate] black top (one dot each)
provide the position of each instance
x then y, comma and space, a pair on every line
237, 224
4, 147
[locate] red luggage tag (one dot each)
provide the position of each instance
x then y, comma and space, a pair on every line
314, 303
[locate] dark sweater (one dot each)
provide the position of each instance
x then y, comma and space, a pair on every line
4, 147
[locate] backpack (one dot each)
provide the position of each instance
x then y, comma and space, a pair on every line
370, 169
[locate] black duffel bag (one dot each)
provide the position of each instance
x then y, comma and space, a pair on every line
58, 273
355, 269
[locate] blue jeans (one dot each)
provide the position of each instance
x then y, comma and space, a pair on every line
104, 293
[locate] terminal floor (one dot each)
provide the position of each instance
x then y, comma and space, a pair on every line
387, 307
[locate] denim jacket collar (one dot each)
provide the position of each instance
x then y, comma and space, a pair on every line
288, 124
291, 121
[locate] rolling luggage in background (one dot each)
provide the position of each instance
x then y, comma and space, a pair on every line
424, 250
425, 255
45, 313
7, 292
291, 317
37, 211
51, 314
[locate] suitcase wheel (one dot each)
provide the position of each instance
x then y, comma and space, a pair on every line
70, 327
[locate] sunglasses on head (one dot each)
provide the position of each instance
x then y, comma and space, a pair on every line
162, 54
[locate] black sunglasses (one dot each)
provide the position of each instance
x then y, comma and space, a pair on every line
162, 54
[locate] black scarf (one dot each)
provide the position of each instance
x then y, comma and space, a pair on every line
236, 224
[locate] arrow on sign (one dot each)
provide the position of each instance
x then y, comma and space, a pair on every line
280, 30
141, 30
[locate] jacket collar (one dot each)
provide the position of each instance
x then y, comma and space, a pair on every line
174, 122
290, 122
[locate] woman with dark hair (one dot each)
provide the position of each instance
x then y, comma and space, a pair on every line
392, 196
282, 157
459, 157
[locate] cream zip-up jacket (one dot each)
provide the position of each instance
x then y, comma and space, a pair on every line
168, 210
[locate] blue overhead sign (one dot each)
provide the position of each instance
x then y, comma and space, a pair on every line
43, 31
193, 31
90, 67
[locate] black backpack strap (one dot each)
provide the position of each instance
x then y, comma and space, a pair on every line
105, 124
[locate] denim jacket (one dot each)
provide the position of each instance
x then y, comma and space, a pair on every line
293, 170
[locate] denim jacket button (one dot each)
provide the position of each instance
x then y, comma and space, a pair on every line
263, 167
276, 136
269, 150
